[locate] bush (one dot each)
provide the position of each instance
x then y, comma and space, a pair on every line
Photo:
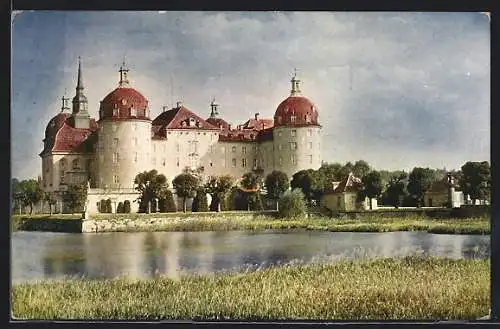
292, 204
109, 208
200, 202
126, 207
154, 205
119, 208
102, 206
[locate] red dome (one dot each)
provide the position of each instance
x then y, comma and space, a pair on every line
296, 111
55, 124
124, 103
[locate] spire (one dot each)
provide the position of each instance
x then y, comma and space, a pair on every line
295, 85
79, 84
64, 103
214, 112
123, 75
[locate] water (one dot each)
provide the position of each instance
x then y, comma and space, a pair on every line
45, 255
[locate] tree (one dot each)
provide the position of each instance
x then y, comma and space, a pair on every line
185, 186
396, 188
372, 186
419, 181
151, 185
218, 188
276, 184
200, 202
306, 181
17, 195
476, 180
75, 197
31, 193
346, 170
51, 200
126, 206
293, 204
361, 168
250, 184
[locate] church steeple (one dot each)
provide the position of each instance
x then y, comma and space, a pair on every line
123, 75
295, 85
214, 112
80, 114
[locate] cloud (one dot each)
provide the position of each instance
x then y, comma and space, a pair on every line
395, 89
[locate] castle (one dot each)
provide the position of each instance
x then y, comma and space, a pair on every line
109, 152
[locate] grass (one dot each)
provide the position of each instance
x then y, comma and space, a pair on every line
236, 221
410, 288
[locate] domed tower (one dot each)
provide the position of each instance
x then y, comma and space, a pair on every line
124, 136
296, 133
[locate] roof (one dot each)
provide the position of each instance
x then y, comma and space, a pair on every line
61, 136
122, 100
239, 135
182, 118
299, 107
258, 124
265, 135
349, 184
218, 122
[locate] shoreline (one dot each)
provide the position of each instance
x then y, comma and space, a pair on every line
246, 221
381, 289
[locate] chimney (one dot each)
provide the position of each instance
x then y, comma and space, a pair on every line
257, 116
179, 103
229, 126
164, 108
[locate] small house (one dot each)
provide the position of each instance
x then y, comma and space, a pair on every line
443, 193
344, 196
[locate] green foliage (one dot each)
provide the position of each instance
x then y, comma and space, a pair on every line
307, 182
251, 180
151, 185
396, 189
29, 192
276, 184
292, 204
372, 186
154, 205
185, 186
475, 180
126, 207
51, 200
361, 168
200, 202
119, 208
75, 198
420, 180
219, 188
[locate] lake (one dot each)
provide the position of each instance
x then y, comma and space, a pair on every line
46, 255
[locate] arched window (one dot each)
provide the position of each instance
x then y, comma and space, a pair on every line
133, 112
76, 164
62, 169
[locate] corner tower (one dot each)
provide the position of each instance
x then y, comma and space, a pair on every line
296, 133
124, 136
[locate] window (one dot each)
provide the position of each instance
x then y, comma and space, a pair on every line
243, 162
293, 146
178, 147
211, 148
115, 112
163, 161
293, 133
134, 126
234, 162
177, 162
76, 164
309, 132
135, 157
308, 118
310, 145
133, 112
292, 158
280, 161
310, 158
233, 149
116, 180
211, 164
255, 163
116, 157
279, 147
254, 148
62, 177
115, 128
292, 118
115, 142
279, 133
244, 150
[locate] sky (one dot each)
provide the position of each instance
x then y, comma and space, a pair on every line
396, 89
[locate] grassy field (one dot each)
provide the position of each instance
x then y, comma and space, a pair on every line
228, 221
411, 288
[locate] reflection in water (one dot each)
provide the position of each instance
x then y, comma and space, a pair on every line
39, 255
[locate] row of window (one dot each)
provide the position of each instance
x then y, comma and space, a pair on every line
293, 118
293, 132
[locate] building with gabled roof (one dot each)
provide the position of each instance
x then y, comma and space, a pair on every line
109, 152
